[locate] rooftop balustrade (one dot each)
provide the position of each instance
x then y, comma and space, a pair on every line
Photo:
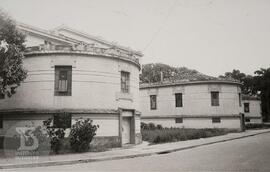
113, 51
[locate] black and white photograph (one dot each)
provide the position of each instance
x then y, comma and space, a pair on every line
135, 85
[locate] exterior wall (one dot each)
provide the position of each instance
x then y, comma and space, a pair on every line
254, 114
95, 84
196, 104
195, 122
196, 101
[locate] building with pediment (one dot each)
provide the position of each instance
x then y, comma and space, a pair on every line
74, 75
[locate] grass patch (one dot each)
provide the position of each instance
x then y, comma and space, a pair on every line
257, 126
165, 135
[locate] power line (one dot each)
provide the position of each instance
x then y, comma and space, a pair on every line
160, 27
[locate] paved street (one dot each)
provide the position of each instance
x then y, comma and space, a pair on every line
247, 154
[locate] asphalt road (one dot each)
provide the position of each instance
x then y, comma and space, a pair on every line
247, 154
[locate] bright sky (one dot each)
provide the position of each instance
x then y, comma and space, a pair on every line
211, 36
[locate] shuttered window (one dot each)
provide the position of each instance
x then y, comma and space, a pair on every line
246, 107
215, 98
1, 121
63, 80
153, 102
178, 100
2, 96
125, 82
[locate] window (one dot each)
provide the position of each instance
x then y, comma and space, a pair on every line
178, 100
178, 120
2, 96
216, 120
239, 96
153, 102
246, 107
1, 121
215, 98
63, 80
247, 120
62, 120
125, 82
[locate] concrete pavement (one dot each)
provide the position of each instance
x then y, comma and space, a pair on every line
121, 153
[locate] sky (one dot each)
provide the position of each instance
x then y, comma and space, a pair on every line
211, 36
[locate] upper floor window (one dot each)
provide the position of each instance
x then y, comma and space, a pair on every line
1, 121
153, 102
125, 82
240, 98
63, 80
215, 98
2, 96
246, 107
178, 100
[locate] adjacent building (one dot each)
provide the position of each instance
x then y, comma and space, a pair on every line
74, 75
252, 109
192, 104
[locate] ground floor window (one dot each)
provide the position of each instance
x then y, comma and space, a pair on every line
247, 119
62, 120
216, 120
178, 120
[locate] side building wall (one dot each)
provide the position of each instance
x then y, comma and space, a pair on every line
196, 110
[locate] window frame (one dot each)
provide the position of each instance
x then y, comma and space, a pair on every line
178, 120
1, 122
58, 71
216, 120
246, 105
178, 100
153, 98
2, 96
125, 85
215, 101
247, 119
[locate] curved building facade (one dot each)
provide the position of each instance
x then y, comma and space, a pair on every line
192, 104
78, 78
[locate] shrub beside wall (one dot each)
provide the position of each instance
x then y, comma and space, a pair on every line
158, 134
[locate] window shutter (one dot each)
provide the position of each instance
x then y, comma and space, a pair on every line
69, 81
56, 82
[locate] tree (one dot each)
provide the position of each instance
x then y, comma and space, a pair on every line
12, 72
152, 73
246, 80
262, 85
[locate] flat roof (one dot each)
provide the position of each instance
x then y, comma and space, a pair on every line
185, 82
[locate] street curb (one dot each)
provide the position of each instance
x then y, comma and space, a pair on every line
45, 164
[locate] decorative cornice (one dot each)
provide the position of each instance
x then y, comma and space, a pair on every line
67, 52
54, 111
192, 116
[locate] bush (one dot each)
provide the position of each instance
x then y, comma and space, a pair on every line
257, 126
81, 135
56, 135
180, 134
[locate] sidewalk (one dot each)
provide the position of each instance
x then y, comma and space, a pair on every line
120, 153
